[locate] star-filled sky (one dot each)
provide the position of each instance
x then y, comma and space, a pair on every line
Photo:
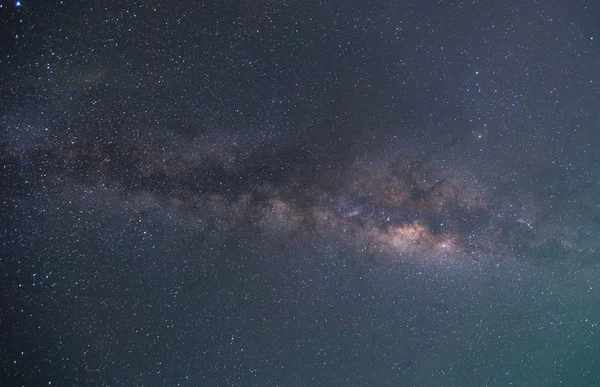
299, 193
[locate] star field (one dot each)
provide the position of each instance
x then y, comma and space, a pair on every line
300, 194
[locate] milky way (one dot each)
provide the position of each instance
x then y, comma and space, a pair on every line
420, 208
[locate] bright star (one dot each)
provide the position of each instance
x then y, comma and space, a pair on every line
18, 4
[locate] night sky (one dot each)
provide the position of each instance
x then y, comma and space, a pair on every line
300, 193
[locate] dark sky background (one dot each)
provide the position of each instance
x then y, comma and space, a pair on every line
300, 193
